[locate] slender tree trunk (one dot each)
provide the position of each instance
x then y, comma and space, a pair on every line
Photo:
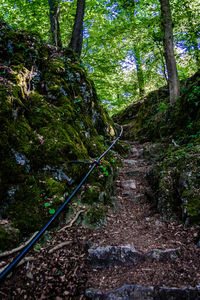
77, 33
162, 61
174, 85
55, 27
140, 76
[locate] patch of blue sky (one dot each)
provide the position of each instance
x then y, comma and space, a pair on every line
128, 64
112, 9
127, 95
86, 33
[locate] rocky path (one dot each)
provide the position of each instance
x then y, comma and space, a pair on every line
137, 255
134, 256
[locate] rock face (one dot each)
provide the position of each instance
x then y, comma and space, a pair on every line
50, 116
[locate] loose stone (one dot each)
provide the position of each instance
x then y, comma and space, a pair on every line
105, 257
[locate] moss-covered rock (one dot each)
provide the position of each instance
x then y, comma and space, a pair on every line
50, 116
153, 118
175, 182
9, 236
122, 148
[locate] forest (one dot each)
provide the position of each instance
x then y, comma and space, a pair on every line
78, 78
122, 46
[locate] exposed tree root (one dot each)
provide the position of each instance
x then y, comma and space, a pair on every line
24, 260
6, 253
72, 221
60, 246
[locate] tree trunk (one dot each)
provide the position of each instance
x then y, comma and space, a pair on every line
77, 33
174, 85
140, 76
55, 27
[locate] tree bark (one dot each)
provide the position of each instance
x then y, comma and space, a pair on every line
77, 33
174, 85
54, 21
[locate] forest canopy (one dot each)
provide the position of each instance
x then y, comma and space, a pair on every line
122, 45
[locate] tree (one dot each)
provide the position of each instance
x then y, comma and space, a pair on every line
111, 31
54, 21
77, 33
140, 76
166, 19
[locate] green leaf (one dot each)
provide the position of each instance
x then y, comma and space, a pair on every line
47, 204
37, 247
52, 211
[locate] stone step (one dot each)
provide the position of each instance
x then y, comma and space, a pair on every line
130, 163
136, 198
133, 173
128, 185
135, 153
136, 292
110, 256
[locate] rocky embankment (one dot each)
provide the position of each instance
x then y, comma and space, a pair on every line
50, 118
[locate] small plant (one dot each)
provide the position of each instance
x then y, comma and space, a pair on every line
104, 170
194, 96
189, 125
77, 101
52, 211
163, 107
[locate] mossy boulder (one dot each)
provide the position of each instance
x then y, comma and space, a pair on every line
50, 116
9, 236
175, 182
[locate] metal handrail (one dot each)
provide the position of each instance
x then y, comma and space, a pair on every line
11, 266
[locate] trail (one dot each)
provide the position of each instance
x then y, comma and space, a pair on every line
137, 249
135, 255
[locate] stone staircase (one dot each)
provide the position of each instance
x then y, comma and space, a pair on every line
132, 240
